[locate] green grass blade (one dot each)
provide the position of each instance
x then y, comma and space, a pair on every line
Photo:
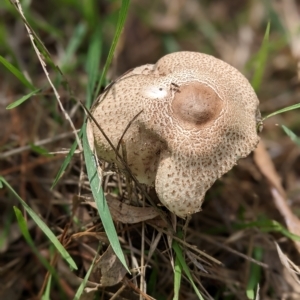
24, 230
255, 274
40, 150
292, 135
93, 61
267, 225
46, 295
100, 200
43, 25
280, 111
153, 279
261, 60
47, 291
177, 278
120, 25
40, 45
92, 65
23, 99
5, 228
86, 277
75, 41
185, 268
17, 73
41, 224
89, 11
66, 161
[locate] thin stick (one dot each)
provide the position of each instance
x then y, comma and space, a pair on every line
118, 293
38, 143
143, 269
127, 127
43, 64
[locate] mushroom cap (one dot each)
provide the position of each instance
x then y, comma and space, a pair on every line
199, 116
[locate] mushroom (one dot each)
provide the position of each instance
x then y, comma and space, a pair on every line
198, 116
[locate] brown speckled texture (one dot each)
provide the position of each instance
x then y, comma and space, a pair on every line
199, 116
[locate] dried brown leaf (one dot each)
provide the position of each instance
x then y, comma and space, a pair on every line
292, 221
112, 269
290, 271
266, 166
127, 214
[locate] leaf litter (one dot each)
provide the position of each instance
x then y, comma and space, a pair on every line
242, 196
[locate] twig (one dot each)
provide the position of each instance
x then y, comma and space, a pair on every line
127, 127
43, 64
38, 143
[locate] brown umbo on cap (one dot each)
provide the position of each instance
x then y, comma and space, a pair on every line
199, 116
195, 104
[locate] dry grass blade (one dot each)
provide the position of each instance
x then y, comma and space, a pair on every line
43, 65
37, 143
127, 127
185, 244
289, 265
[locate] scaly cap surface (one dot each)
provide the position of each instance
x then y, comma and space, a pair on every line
199, 116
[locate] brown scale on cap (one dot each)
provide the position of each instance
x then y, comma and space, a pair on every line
199, 116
